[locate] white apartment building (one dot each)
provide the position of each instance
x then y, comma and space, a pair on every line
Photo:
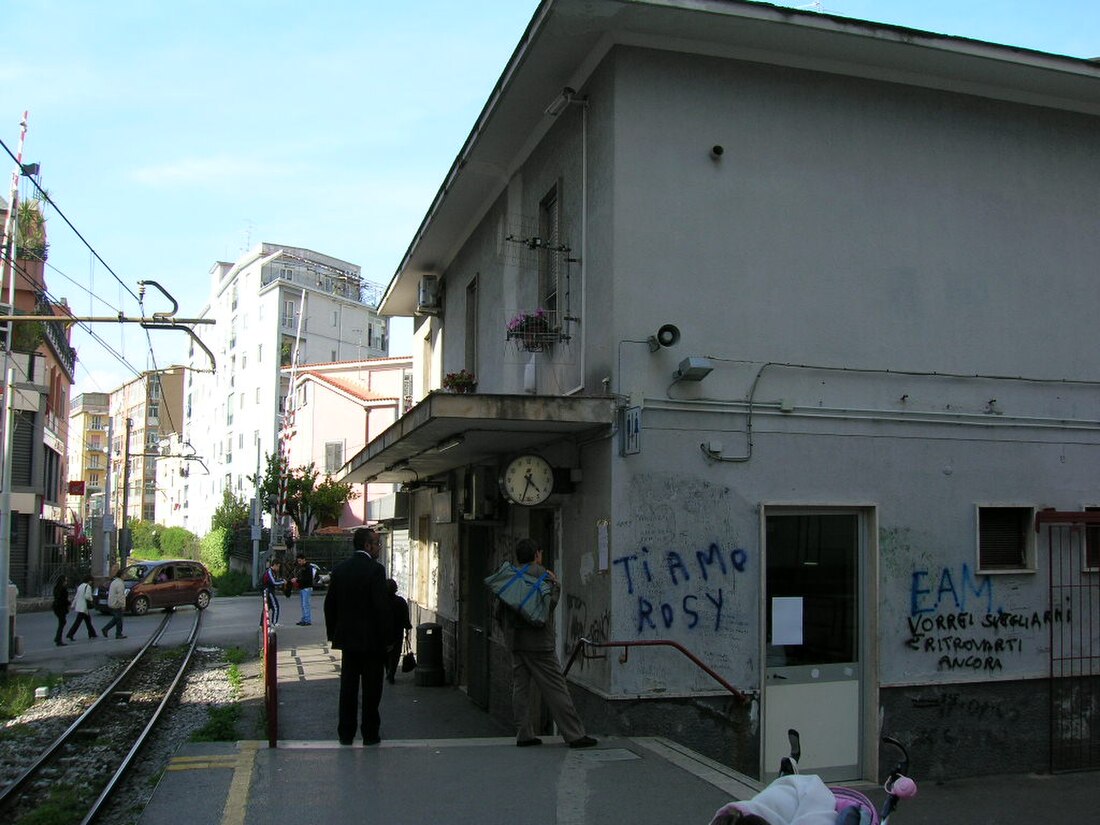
275, 306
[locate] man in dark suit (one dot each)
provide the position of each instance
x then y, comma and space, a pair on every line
358, 623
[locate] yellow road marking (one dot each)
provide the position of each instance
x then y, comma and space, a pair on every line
237, 801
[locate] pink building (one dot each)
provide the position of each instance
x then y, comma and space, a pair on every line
339, 408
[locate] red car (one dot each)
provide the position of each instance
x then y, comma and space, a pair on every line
162, 583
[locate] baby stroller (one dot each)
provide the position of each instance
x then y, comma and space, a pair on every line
803, 799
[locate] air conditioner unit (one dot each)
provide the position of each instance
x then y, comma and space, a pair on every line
427, 296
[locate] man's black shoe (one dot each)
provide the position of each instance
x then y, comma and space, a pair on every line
526, 743
373, 741
583, 742
346, 741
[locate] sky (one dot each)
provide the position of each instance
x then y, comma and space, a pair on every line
173, 135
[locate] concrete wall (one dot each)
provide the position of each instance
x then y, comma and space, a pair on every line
894, 287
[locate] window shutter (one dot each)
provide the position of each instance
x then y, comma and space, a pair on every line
1002, 537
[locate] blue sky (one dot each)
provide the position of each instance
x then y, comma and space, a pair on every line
173, 135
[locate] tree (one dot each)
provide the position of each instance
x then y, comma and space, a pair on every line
144, 537
232, 513
309, 503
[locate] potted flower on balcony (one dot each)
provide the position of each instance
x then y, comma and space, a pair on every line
532, 331
462, 381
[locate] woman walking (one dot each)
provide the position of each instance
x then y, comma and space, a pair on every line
82, 603
60, 606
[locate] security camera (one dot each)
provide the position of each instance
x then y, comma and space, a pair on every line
716, 151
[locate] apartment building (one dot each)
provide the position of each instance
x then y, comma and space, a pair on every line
89, 417
275, 307
142, 412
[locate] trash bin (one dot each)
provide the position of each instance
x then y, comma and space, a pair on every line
429, 655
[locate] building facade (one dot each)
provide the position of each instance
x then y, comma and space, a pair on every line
782, 323
142, 413
338, 408
89, 419
44, 367
275, 306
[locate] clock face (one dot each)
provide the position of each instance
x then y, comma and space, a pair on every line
527, 479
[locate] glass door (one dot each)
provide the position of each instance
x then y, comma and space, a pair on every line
813, 624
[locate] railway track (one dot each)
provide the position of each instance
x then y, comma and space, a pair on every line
113, 728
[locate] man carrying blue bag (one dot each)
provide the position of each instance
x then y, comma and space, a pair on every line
529, 599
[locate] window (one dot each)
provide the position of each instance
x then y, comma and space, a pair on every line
260, 354
154, 411
149, 512
288, 313
1005, 542
257, 395
97, 423
333, 355
550, 258
1092, 543
471, 325
335, 317
240, 441
334, 456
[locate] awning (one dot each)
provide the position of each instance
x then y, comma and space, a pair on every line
446, 430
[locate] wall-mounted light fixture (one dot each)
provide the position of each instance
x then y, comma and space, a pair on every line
693, 368
559, 103
666, 336
449, 444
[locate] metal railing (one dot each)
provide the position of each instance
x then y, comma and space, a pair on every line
271, 673
583, 644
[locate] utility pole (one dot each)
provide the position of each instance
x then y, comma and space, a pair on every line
7, 252
257, 522
124, 531
107, 520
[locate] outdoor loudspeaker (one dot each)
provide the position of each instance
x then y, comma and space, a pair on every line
666, 336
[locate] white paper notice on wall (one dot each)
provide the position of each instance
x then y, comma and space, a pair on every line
787, 620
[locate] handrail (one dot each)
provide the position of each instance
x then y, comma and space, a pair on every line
741, 695
271, 674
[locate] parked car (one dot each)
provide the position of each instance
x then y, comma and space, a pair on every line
161, 583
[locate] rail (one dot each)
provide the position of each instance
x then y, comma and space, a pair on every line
582, 644
116, 778
34, 772
271, 674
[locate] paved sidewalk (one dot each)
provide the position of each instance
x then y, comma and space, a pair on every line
442, 759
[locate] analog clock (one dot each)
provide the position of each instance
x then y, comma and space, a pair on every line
527, 479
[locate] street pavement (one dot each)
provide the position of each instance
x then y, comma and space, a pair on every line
443, 759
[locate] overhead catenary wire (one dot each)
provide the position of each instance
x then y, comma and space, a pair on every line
84, 326
46, 197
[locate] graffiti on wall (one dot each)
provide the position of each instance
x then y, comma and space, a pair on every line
595, 626
688, 591
956, 619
